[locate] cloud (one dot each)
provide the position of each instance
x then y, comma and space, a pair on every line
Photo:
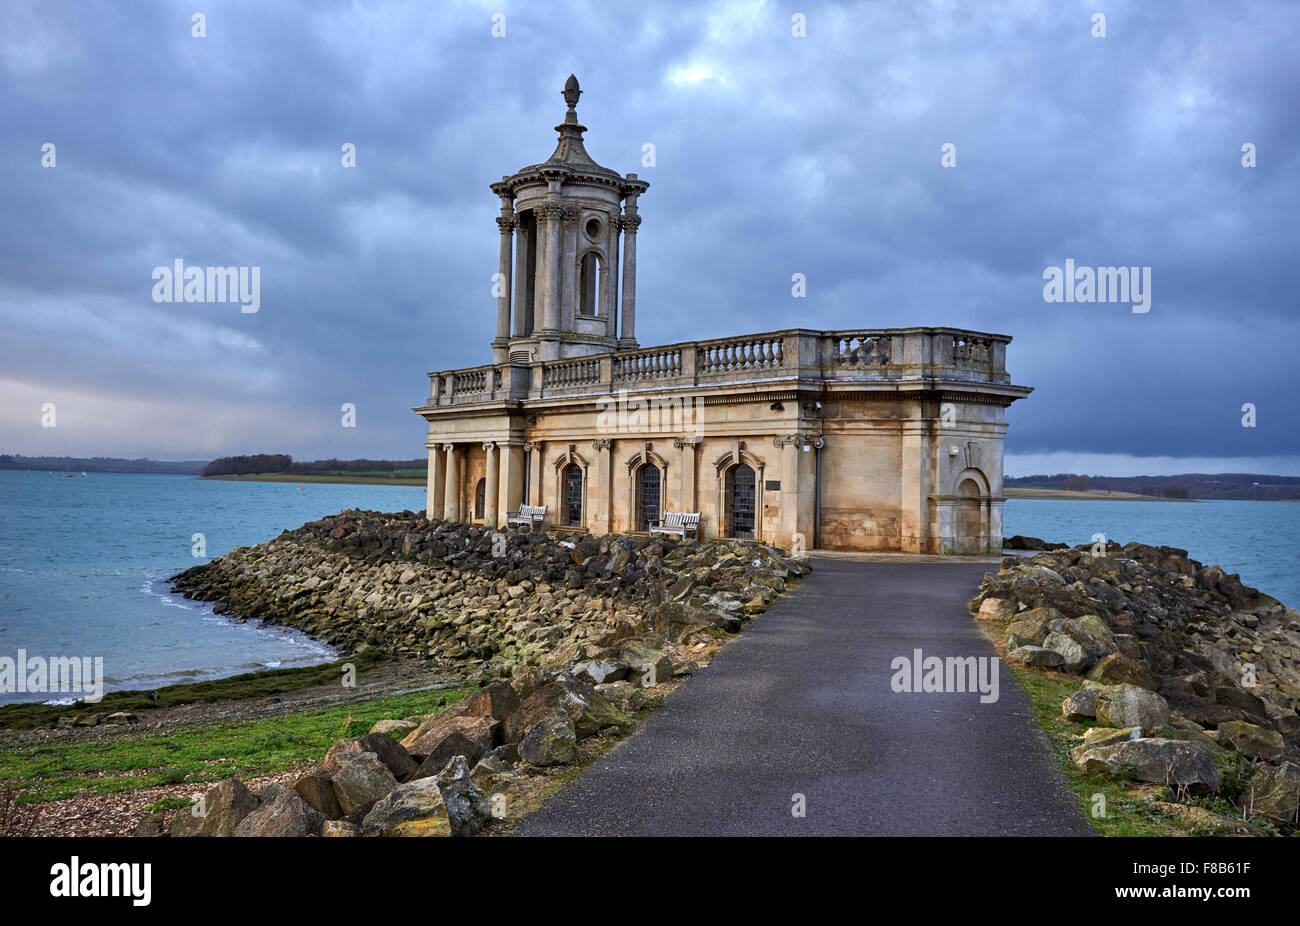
775, 155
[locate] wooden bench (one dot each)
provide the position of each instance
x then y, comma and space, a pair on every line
677, 522
530, 515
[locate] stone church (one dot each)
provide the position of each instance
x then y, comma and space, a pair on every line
865, 439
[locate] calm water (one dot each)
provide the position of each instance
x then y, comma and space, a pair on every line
82, 563
1259, 540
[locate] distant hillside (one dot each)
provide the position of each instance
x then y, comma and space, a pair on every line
101, 464
272, 463
1246, 486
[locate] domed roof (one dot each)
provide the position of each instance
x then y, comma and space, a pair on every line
569, 151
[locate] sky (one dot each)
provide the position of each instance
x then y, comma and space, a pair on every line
774, 154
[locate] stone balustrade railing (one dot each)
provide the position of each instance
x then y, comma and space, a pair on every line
860, 355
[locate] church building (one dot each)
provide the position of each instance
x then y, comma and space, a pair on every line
881, 439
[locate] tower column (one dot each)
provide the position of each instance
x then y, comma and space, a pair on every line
551, 215
629, 224
506, 222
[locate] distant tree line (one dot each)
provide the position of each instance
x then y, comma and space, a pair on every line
100, 464
283, 463
1185, 485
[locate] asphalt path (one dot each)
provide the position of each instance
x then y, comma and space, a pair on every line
799, 714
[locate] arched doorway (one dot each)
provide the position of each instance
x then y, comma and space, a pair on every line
571, 494
740, 501
967, 526
649, 483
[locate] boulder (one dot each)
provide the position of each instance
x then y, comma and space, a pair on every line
224, 807
589, 710
552, 740
316, 789
1025, 633
1035, 656
625, 696
1080, 706
1117, 669
413, 809
1074, 658
1182, 764
331, 761
1131, 706
281, 813
444, 737
1251, 740
391, 727
360, 780
647, 664
599, 671
526, 680
1275, 793
1105, 736
467, 806
497, 700
392, 753
339, 828
996, 609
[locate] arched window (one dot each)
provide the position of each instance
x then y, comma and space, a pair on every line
648, 486
480, 499
740, 501
589, 285
571, 494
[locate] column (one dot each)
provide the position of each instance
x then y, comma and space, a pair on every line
601, 491
490, 488
451, 491
433, 491
686, 497
629, 224
506, 223
510, 492
609, 283
549, 280
535, 474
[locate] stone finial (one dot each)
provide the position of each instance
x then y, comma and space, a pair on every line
571, 92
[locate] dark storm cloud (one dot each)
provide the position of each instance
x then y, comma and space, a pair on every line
775, 155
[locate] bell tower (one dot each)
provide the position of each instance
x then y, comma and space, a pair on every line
563, 289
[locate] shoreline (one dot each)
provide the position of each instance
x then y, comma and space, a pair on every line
1092, 495
361, 480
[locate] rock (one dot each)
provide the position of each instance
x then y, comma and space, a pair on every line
497, 700
392, 753
1252, 740
552, 740
413, 809
282, 813
1117, 669
331, 761
121, 719
1080, 706
339, 828
1073, 657
589, 710
996, 609
1131, 706
1105, 736
470, 737
526, 680
389, 727
647, 665
223, 808
316, 789
598, 671
1025, 633
1035, 656
360, 780
1275, 793
625, 696
467, 806
151, 825
1182, 764
1241, 699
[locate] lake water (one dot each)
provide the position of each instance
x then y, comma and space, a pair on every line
83, 564
83, 561
1259, 540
